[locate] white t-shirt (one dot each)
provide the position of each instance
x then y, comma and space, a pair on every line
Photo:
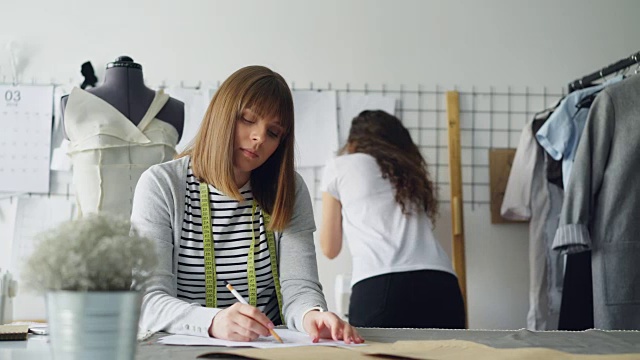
381, 238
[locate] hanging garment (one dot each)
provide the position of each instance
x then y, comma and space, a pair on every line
576, 308
546, 278
545, 265
109, 152
602, 205
529, 196
555, 260
554, 170
560, 135
516, 204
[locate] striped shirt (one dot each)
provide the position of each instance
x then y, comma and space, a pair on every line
231, 233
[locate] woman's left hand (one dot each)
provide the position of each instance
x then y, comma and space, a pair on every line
327, 325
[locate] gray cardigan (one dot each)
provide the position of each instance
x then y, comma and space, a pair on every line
158, 210
601, 210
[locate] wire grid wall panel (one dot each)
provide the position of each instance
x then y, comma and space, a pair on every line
489, 119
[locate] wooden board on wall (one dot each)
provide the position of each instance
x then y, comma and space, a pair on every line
500, 161
455, 183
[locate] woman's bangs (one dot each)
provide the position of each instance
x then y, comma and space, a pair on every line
269, 99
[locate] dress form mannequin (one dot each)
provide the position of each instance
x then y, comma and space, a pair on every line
116, 131
125, 90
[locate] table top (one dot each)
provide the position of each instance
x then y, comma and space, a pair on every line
579, 342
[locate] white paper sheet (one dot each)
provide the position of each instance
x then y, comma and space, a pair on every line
309, 177
25, 139
316, 126
33, 216
353, 104
290, 338
60, 161
196, 102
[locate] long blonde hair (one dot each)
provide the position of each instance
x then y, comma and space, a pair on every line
266, 93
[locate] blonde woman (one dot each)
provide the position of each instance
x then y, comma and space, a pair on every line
231, 209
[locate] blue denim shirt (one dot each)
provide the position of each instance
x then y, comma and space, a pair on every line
560, 134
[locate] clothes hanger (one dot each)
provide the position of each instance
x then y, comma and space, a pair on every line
587, 101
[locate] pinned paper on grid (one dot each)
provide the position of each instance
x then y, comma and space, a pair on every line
309, 177
35, 215
60, 161
316, 126
25, 139
196, 102
353, 104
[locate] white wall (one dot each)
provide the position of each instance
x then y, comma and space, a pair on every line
468, 43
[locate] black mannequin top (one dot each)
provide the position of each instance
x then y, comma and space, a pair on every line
125, 90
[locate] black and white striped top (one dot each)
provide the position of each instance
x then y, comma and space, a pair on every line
231, 232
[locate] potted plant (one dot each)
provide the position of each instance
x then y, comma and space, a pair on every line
91, 272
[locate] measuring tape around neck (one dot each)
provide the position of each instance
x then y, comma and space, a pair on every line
209, 255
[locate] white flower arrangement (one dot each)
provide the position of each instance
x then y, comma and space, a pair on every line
95, 253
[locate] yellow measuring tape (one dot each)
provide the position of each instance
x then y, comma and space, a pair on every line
209, 255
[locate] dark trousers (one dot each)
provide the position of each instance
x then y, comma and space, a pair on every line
576, 308
412, 299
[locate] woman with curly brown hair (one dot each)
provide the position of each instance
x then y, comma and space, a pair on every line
380, 195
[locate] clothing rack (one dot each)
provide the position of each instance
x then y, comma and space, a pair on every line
587, 81
576, 309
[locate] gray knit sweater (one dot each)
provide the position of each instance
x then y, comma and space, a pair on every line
158, 210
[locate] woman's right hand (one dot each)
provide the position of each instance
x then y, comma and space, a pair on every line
240, 322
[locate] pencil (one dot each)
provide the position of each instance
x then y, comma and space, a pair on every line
242, 300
